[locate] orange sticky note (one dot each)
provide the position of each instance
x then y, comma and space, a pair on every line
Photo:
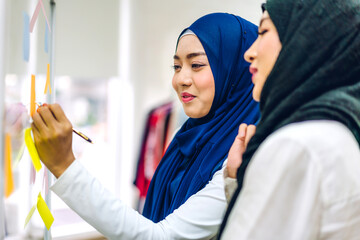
47, 85
32, 96
9, 180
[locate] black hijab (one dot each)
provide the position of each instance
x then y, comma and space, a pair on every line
317, 73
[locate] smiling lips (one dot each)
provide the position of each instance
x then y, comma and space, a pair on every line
253, 71
187, 97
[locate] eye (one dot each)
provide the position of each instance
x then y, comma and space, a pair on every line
262, 32
197, 66
176, 68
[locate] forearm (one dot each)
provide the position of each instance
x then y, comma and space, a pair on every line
96, 205
198, 218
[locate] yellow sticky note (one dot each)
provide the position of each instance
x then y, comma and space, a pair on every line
19, 155
44, 212
32, 96
32, 150
47, 85
9, 180
32, 210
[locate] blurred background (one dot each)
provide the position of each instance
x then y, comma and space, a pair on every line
111, 72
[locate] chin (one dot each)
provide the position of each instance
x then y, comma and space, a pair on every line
195, 115
190, 115
256, 97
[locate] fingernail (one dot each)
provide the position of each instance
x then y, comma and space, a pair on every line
44, 105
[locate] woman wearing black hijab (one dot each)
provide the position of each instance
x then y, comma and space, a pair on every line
300, 174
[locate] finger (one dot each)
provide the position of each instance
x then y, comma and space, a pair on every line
58, 113
38, 122
34, 129
251, 129
47, 117
242, 131
36, 133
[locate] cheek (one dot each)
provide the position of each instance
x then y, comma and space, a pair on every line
269, 51
206, 86
173, 83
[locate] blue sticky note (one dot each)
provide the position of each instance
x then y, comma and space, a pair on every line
46, 47
26, 37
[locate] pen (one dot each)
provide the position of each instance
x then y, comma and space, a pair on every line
82, 135
74, 130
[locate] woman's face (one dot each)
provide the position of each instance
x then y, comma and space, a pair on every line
193, 80
263, 54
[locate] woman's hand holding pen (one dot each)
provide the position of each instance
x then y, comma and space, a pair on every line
238, 148
53, 138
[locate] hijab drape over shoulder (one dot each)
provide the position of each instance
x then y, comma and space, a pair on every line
317, 73
203, 144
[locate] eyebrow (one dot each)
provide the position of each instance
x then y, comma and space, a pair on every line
262, 20
191, 55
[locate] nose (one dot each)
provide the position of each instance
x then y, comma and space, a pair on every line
251, 53
182, 79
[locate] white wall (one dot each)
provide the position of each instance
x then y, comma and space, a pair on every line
86, 38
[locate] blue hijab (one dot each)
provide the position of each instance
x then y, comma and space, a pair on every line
201, 145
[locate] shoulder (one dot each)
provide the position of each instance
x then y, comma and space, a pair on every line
314, 131
325, 149
318, 138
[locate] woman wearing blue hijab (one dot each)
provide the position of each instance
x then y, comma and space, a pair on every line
186, 198
201, 145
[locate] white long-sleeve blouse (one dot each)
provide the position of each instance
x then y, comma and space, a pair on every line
198, 218
303, 183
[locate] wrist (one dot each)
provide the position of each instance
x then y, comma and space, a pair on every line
59, 169
229, 173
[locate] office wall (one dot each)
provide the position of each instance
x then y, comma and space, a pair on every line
86, 41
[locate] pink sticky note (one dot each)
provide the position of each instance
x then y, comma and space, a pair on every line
43, 10
35, 16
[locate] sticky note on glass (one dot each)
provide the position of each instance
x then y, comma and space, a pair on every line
9, 180
47, 85
19, 155
28, 217
26, 37
44, 212
44, 12
36, 14
32, 96
32, 150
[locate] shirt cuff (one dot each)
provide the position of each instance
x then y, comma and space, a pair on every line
230, 185
66, 178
